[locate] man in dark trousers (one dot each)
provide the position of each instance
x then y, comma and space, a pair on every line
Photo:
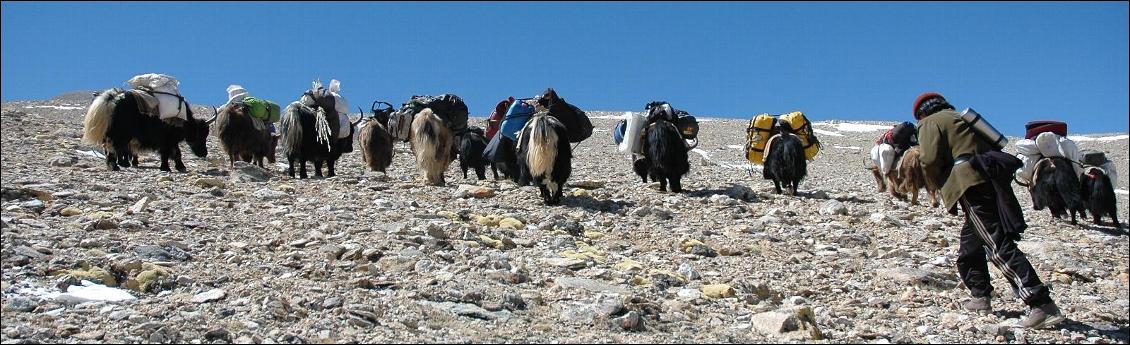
953, 153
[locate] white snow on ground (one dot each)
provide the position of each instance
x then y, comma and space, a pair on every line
847, 147
736, 147
91, 153
858, 127
823, 132
87, 292
1121, 191
742, 167
54, 107
1110, 138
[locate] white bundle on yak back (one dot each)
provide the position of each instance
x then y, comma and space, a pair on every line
167, 91
884, 157
1053, 145
632, 142
1029, 155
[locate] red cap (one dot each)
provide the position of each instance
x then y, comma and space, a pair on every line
922, 98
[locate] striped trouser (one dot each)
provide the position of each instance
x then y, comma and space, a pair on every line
983, 240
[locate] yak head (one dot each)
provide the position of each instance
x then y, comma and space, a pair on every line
196, 133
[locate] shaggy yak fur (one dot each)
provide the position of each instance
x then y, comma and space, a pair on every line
1055, 186
664, 157
544, 156
308, 134
784, 160
471, 146
433, 143
115, 122
1098, 192
376, 145
908, 177
241, 140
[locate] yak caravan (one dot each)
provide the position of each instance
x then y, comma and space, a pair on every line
757, 188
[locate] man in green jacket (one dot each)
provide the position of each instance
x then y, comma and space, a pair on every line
949, 147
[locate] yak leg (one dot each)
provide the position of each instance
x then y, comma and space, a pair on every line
676, 185
330, 168
302, 168
878, 179
662, 183
777, 186
914, 196
318, 168
933, 198
165, 154
177, 159
481, 171
557, 194
290, 168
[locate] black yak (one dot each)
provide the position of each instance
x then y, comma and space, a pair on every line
242, 139
309, 134
376, 142
664, 156
544, 156
115, 121
1055, 186
784, 159
1098, 192
471, 146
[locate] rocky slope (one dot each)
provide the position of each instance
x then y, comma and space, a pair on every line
243, 255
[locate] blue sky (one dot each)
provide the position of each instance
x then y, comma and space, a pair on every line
1013, 62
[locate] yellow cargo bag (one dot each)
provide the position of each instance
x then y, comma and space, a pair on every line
757, 135
803, 130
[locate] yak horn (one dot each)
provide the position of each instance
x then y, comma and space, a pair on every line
215, 114
351, 124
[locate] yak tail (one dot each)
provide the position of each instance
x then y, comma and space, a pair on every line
543, 146
98, 117
432, 145
291, 128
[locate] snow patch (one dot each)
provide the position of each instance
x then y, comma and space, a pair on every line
1110, 138
1121, 191
858, 127
91, 153
61, 107
736, 147
85, 293
848, 147
823, 132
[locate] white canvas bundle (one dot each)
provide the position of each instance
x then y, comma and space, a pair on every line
884, 157
1024, 174
631, 143
169, 102
343, 125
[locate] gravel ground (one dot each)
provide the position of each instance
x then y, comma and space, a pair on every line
242, 255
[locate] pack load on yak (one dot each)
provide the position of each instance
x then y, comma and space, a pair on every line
628, 131
516, 117
1046, 139
760, 131
159, 95
802, 128
892, 144
757, 135
494, 121
329, 100
261, 110
450, 109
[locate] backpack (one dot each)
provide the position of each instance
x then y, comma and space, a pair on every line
803, 130
757, 135
578, 125
516, 118
450, 108
494, 122
400, 123
618, 131
688, 126
261, 109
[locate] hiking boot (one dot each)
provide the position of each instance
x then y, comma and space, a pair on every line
978, 304
1046, 315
